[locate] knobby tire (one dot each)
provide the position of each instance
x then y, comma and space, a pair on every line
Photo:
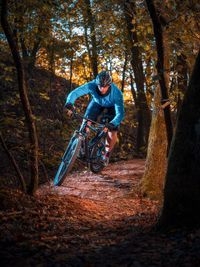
68, 159
96, 164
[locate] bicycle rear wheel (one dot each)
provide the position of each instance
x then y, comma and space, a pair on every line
96, 164
68, 159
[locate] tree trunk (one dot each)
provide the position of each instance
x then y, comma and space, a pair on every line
87, 40
124, 72
156, 162
91, 24
133, 91
182, 189
162, 65
13, 43
71, 74
143, 112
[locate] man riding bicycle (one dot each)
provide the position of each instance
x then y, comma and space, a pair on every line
105, 95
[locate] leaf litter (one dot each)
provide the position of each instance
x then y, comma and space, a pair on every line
91, 220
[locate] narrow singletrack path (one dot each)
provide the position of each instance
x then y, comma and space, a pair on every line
116, 181
91, 220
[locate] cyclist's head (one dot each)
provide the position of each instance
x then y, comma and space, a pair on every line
103, 79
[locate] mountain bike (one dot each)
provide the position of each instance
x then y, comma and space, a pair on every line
84, 146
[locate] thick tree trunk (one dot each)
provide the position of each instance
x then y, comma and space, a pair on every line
143, 112
182, 189
13, 43
162, 65
93, 50
155, 168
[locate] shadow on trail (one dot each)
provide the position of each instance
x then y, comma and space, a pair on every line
129, 241
68, 241
92, 221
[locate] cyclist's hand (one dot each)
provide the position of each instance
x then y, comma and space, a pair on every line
110, 126
70, 108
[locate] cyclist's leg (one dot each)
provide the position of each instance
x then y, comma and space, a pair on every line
112, 135
110, 143
93, 110
111, 140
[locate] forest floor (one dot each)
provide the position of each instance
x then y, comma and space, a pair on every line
92, 220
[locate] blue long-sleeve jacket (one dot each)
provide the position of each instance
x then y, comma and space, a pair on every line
114, 98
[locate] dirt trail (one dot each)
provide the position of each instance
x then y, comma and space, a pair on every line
115, 181
114, 192
91, 221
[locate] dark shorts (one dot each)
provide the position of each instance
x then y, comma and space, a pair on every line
100, 114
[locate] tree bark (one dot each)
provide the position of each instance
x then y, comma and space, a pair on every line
87, 42
152, 182
143, 112
162, 65
124, 72
133, 91
71, 74
182, 189
13, 43
91, 25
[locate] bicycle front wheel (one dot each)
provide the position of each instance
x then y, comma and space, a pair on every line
68, 159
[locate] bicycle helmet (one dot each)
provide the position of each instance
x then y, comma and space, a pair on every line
103, 79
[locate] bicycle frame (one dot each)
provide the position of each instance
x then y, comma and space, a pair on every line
89, 143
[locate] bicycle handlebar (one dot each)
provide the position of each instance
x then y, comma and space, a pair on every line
76, 114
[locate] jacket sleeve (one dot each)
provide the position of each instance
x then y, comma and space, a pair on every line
119, 109
80, 91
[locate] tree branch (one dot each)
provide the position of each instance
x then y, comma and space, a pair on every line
14, 163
